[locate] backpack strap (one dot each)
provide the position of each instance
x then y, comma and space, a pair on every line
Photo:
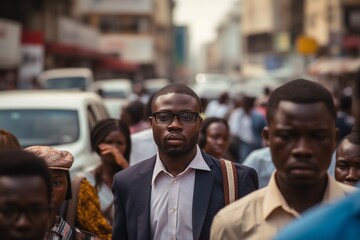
71, 210
230, 181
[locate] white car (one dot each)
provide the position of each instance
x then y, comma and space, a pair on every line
115, 93
59, 119
66, 78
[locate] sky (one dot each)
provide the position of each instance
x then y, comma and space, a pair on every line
202, 17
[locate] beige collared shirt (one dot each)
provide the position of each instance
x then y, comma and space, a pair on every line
261, 214
172, 199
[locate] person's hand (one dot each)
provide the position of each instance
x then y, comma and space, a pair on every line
115, 152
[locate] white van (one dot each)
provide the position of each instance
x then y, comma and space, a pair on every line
66, 78
61, 119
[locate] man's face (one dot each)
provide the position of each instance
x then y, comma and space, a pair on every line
24, 208
347, 169
175, 139
60, 185
302, 138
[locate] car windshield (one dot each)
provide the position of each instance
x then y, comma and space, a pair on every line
114, 94
66, 83
41, 127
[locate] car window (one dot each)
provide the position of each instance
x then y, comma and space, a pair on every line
41, 127
66, 83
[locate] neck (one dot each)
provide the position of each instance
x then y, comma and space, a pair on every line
177, 164
108, 172
303, 198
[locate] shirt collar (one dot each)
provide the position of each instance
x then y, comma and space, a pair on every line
61, 228
273, 198
198, 163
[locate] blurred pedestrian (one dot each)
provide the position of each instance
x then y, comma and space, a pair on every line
347, 168
59, 163
340, 220
214, 137
139, 93
218, 107
134, 115
176, 193
25, 196
110, 138
344, 119
301, 134
247, 124
8, 141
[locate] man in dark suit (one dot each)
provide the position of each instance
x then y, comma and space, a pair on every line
176, 193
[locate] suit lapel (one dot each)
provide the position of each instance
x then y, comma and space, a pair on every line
202, 191
142, 187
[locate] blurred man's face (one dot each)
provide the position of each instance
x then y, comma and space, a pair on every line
24, 208
217, 140
347, 169
302, 138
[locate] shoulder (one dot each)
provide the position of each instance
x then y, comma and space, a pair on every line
137, 169
347, 189
249, 207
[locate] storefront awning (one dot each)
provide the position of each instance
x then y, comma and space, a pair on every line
102, 60
334, 66
117, 64
71, 51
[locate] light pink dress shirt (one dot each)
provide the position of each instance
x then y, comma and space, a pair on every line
172, 200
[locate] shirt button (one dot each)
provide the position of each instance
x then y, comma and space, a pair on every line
173, 210
174, 181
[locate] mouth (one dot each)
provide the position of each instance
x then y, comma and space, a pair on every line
174, 139
302, 169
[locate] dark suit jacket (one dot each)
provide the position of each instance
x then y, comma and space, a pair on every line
132, 191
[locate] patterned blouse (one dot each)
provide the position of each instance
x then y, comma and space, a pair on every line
89, 216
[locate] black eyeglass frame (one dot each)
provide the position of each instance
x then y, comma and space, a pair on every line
173, 115
12, 214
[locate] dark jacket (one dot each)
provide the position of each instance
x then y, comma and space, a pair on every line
132, 190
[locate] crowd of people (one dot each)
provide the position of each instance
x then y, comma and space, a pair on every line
161, 173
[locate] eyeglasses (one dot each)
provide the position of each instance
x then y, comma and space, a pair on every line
166, 118
11, 214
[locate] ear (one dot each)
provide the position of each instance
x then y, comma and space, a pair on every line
266, 137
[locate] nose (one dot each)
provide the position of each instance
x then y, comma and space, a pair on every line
303, 148
175, 124
23, 222
354, 175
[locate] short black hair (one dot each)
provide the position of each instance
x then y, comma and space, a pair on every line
136, 110
204, 126
177, 88
300, 91
106, 126
23, 163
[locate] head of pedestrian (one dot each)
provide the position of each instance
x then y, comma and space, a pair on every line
59, 163
301, 133
347, 168
214, 137
175, 122
8, 141
110, 139
25, 196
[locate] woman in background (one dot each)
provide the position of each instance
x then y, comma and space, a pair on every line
214, 137
110, 138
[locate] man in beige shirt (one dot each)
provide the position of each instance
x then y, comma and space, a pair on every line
301, 134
